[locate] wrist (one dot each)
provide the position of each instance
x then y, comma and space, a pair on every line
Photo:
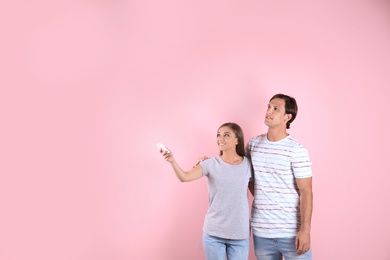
305, 231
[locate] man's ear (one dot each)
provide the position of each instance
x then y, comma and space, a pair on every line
288, 117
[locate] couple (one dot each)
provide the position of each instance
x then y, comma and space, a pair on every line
278, 174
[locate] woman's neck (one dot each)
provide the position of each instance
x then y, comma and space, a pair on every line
231, 157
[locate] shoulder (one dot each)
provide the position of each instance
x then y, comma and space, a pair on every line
295, 145
293, 142
210, 161
247, 161
257, 139
261, 137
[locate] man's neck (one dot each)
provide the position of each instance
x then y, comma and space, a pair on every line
276, 134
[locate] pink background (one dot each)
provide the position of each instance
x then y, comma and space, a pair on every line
89, 87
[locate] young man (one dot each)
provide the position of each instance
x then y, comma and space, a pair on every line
283, 199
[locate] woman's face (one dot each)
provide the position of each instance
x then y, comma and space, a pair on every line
226, 139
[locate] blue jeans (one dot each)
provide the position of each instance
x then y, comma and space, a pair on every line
217, 248
276, 248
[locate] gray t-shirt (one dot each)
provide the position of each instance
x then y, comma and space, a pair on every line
228, 214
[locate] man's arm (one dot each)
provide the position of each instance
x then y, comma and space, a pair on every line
251, 187
302, 241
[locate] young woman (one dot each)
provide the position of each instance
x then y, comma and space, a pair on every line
226, 228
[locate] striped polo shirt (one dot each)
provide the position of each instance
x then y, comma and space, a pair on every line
276, 206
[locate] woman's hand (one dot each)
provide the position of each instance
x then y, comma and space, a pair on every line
168, 156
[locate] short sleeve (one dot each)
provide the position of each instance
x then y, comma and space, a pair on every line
248, 148
206, 166
301, 164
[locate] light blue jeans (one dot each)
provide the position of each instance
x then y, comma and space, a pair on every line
217, 248
276, 248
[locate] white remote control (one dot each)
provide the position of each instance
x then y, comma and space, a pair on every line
162, 147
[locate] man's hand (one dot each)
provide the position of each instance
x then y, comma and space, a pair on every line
201, 159
302, 242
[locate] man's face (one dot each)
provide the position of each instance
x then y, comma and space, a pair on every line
276, 113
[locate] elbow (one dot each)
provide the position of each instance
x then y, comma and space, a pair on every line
307, 193
182, 179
